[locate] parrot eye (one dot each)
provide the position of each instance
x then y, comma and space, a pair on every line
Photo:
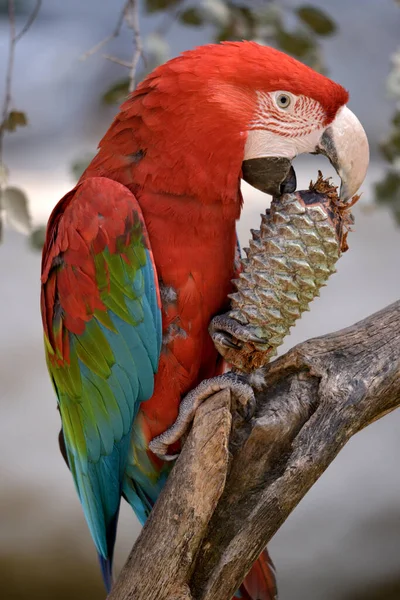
283, 100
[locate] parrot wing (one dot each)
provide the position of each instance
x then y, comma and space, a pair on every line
102, 326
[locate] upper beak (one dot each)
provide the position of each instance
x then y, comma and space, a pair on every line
345, 143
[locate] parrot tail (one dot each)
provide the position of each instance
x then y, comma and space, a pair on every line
106, 564
106, 571
260, 583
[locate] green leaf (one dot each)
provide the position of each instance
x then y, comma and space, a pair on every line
14, 119
117, 93
227, 32
389, 188
298, 44
270, 15
317, 20
3, 175
155, 5
157, 49
248, 15
391, 147
191, 17
216, 12
388, 192
15, 205
80, 165
396, 119
37, 237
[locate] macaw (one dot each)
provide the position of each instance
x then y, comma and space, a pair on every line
140, 255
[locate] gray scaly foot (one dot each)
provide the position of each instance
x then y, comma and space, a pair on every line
242, 396
239, 344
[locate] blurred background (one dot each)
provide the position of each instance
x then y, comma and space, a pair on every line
343, 540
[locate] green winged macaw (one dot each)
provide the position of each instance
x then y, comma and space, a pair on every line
140, 255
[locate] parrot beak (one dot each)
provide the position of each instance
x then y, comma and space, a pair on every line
345, 144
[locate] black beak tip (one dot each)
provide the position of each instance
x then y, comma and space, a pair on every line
289, 184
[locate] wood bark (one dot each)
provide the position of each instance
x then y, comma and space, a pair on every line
236, 482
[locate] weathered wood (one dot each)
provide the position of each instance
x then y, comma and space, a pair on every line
309, 403
161, 561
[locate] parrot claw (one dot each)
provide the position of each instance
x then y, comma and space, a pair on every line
243, 400
230, 333
238, 343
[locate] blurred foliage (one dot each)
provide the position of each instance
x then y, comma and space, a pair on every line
266, 22
387, 191
117, 92
14, 206
317, 20
14, 119
14, 209
154, 5
37, 237
79, 166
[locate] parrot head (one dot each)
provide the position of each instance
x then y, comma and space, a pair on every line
221, 112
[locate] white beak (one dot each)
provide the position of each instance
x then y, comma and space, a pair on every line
345, 143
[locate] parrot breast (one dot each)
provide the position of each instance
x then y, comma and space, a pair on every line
194, 254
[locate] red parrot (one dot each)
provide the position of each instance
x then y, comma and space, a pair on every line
140, 255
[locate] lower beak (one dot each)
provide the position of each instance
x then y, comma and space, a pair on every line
271, 174
343, 142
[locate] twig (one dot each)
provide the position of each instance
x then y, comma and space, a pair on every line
14, 39
110, 37
30, 21
129, 14
132, 19
170, 18
10, 67
118, 61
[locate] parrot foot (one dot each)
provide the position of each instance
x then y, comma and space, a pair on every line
238, 344
243, 400
229, 333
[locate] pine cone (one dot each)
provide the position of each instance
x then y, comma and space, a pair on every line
301, 238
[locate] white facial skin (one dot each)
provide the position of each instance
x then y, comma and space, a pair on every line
285, 125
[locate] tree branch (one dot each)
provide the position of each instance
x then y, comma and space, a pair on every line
199, 544
129, 14
14, 39
9, 72
199, 474
132, 19
113, 35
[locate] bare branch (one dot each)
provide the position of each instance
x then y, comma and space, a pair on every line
117, 61
10, 67
30, 21
132, 19
110, 37
199, 475
314, 398
130, 15
14, 39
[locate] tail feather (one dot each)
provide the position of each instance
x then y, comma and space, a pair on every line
106, 564
106, 571
260, 583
